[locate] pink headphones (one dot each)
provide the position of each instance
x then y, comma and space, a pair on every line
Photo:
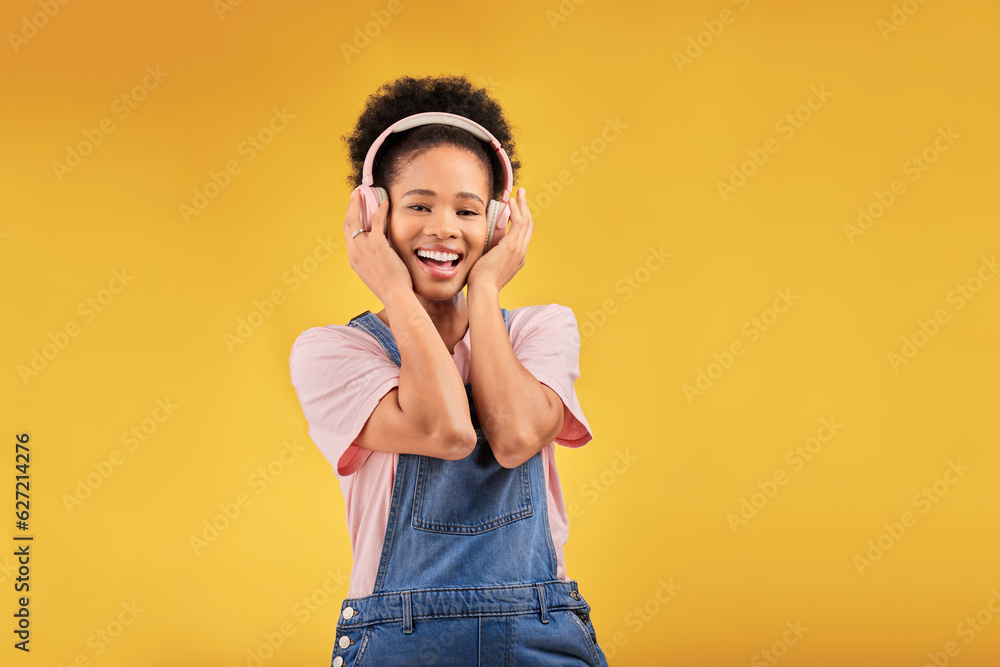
497, 211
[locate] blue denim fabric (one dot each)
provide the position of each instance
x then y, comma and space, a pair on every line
467, 574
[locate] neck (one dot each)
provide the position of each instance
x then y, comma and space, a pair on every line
450, 317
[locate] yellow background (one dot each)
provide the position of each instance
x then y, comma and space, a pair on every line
562, 72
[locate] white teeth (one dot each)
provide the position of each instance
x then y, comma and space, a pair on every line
440, 256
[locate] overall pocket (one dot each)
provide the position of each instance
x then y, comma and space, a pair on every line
472, 495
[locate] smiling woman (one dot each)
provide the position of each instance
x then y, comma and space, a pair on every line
440, 413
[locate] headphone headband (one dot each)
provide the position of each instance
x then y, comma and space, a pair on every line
442, 118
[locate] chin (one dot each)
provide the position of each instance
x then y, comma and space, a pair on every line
441, 292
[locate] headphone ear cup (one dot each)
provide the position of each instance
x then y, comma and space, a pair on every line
369, 204
491, 219
371, 197
498, 213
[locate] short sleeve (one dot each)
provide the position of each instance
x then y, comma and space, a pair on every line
546, 341
340, 374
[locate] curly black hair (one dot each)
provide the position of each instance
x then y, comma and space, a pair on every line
405, 96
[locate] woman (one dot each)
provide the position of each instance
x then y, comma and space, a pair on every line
440, 413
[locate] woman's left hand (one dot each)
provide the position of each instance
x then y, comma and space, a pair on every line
498, 266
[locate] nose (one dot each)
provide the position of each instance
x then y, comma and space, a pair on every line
442, 223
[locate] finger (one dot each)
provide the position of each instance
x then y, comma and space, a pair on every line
515, 212
529, 224
527, 215
521, 208
509, 225
381, 218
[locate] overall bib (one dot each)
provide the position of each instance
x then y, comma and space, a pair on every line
467, 574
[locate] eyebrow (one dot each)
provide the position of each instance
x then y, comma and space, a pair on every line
431, 193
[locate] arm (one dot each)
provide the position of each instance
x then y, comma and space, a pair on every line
428, 413
518, 414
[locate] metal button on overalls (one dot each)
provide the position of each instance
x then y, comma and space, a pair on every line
467, 573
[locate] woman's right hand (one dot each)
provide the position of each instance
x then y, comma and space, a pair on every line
370, 254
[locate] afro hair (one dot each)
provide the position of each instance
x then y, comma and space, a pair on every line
406, 96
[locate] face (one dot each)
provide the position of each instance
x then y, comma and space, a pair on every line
438, 205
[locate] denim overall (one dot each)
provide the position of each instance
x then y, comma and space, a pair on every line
467, 574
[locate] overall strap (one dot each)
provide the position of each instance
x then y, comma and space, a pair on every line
370, 323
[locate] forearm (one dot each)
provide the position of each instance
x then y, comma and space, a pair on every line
430, 386
510, 402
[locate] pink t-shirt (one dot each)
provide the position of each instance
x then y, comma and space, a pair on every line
340, 373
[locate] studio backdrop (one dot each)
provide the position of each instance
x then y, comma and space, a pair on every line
775, 222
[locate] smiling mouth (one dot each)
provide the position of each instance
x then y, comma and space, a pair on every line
446, 264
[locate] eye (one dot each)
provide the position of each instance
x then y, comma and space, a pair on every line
470, 213
418, 206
